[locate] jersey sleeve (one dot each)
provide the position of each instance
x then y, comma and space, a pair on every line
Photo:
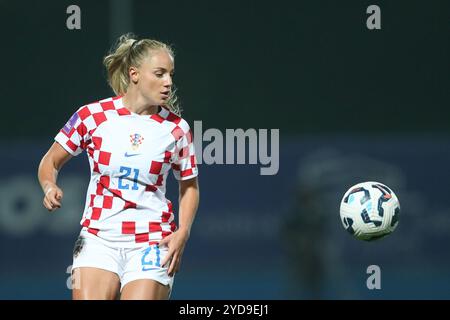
184, 165
72, 137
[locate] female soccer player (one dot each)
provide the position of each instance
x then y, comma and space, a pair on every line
129, 242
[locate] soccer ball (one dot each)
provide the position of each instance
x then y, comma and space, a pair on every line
370, 210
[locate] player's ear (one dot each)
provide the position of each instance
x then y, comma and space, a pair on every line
133, 72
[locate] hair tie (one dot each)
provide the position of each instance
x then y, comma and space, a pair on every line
134, 43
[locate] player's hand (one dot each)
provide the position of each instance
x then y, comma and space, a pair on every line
176, 243
52, 197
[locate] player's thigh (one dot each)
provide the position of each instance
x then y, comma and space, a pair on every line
145, 289
94, 284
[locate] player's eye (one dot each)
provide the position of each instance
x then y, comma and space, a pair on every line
159, 75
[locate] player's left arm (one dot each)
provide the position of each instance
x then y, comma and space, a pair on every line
189, 199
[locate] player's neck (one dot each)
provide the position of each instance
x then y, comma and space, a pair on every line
134, 102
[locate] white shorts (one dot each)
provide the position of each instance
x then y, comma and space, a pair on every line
128, 263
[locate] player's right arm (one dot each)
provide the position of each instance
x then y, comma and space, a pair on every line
48, 170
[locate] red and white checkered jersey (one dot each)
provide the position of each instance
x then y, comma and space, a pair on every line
130, 156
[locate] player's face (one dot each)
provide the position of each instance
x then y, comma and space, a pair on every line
155, 77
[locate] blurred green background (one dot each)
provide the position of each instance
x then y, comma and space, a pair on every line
302, 66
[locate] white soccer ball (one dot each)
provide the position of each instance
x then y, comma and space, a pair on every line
370, 210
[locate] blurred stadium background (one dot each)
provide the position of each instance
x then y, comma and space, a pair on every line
351, 105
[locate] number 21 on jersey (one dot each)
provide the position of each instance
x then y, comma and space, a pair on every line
131, 175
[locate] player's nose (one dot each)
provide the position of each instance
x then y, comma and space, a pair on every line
168, 83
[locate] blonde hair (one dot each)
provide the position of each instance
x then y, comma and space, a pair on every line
129, 52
